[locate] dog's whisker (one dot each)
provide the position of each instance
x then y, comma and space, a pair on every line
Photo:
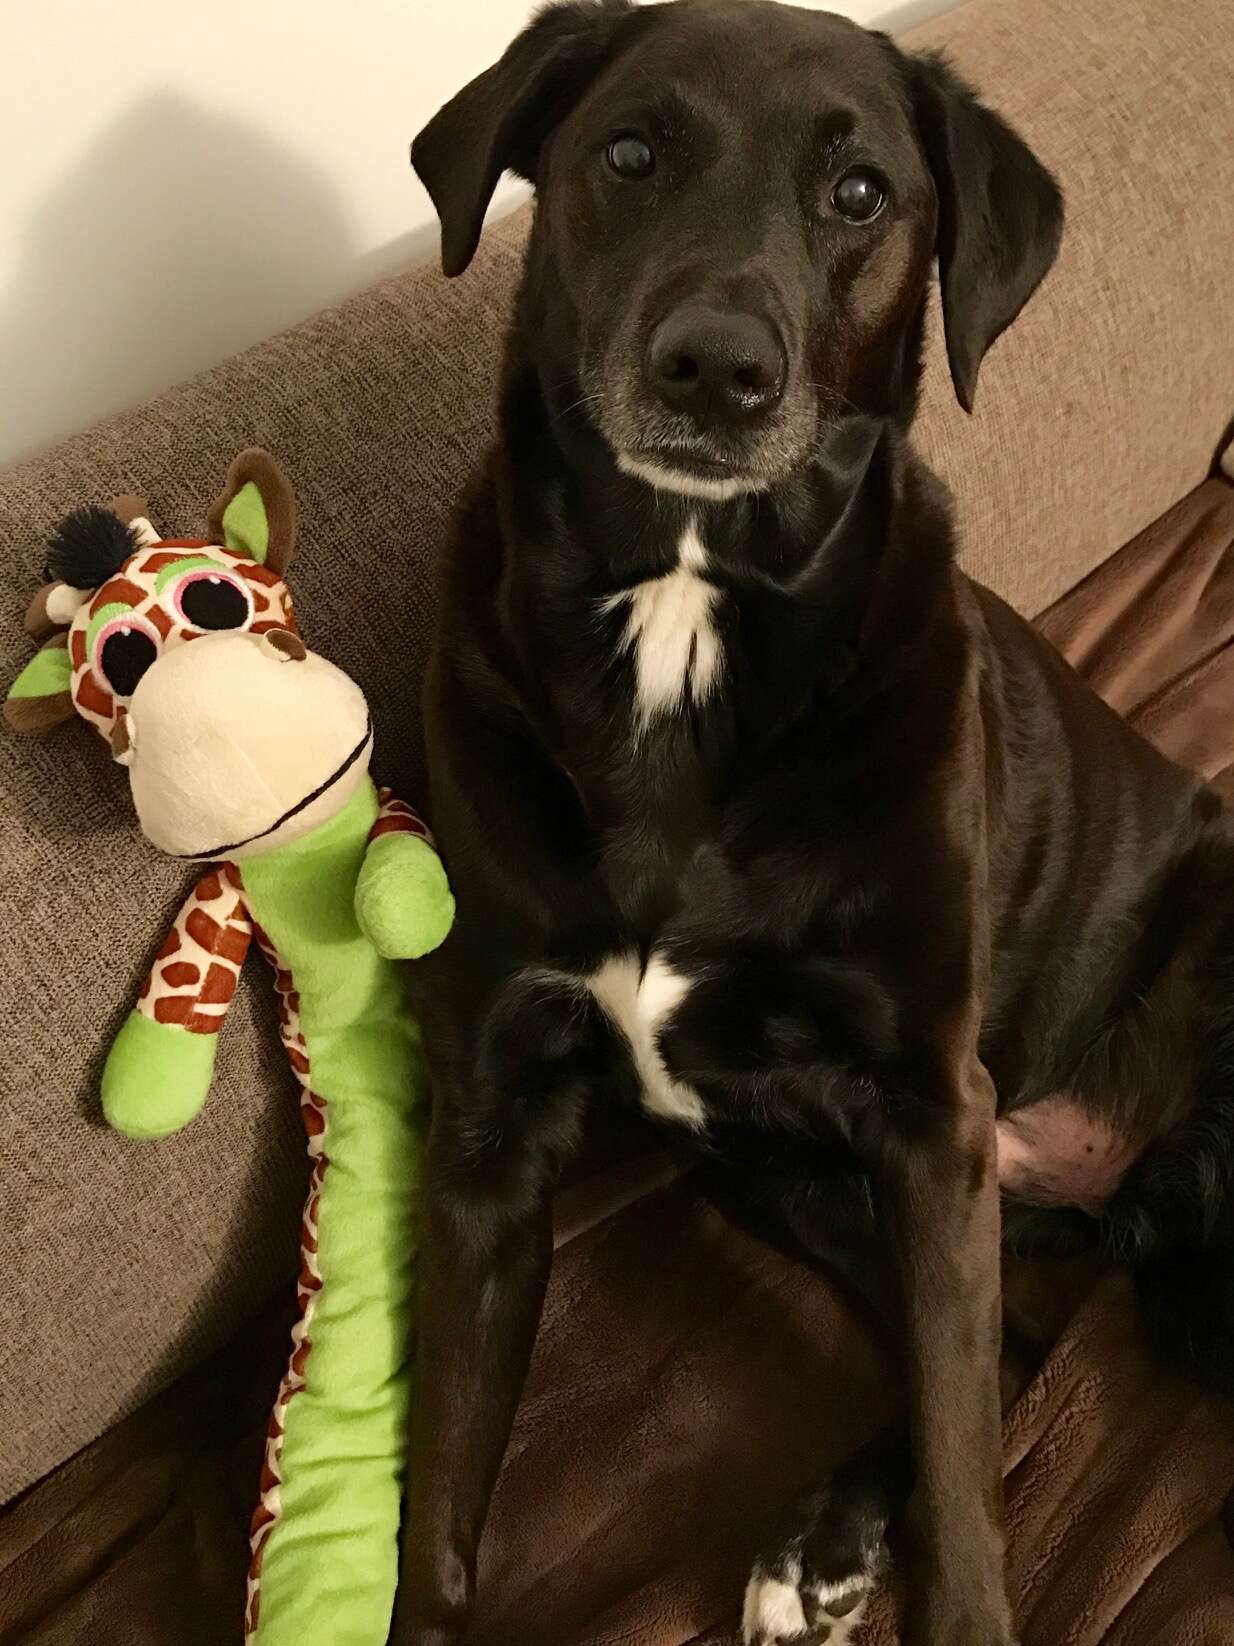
583, 400
831, 396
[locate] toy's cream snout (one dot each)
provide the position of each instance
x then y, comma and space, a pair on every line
240, 742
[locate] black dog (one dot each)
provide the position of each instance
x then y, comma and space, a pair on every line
762, 815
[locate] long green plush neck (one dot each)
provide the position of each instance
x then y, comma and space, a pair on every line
303, 897
329, 1564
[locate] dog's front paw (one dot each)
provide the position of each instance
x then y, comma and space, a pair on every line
813, 1586
790, 1608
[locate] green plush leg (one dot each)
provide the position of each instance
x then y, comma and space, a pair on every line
403, 899
330, 1561
156, 1076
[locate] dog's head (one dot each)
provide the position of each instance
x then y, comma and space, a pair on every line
739, 203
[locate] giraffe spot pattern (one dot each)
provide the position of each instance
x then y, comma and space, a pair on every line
396, 825
90, 697
197, 969
216, 937
118, 591
395, 816
170, 549
174, 1008
263, 574
219, 986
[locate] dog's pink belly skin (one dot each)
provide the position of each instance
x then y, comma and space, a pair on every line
1053, 1153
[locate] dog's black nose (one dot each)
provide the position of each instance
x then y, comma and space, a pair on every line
714, 364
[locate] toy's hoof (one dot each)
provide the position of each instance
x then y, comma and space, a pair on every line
156, 1077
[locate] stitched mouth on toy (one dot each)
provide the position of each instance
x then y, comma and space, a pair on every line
292, 811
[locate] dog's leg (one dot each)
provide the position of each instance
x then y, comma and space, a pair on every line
811, 1580
495, 1155
929, 1149
939, 1204
942, 1202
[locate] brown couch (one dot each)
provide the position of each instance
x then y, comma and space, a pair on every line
685, 1377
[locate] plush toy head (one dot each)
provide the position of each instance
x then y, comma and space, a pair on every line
184, 653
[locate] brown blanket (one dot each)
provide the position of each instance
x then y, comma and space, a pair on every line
687, 1378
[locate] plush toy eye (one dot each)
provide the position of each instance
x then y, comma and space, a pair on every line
207, 599
631, 157
124, 650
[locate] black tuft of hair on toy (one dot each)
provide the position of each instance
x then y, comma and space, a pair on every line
89, 546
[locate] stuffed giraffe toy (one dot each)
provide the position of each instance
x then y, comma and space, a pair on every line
249, 752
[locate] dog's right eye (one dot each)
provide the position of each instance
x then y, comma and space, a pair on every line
631, 157
858, 197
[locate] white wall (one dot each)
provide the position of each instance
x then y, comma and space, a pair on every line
179, 179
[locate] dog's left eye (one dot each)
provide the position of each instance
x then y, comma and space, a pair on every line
858, 197
631, 157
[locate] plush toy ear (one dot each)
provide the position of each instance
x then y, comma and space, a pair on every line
40, 697
256, 514
53, 608
135, 513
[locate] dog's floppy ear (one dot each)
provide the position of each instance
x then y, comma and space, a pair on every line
499, 121
1000, 215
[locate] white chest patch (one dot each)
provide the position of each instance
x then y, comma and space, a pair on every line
670, 628
639, 1003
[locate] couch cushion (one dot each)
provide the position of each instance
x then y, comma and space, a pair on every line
1151, 630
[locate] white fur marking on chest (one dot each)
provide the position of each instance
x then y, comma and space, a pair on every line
670, 628
639, 1004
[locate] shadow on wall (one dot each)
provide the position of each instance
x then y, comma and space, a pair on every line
179, 238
